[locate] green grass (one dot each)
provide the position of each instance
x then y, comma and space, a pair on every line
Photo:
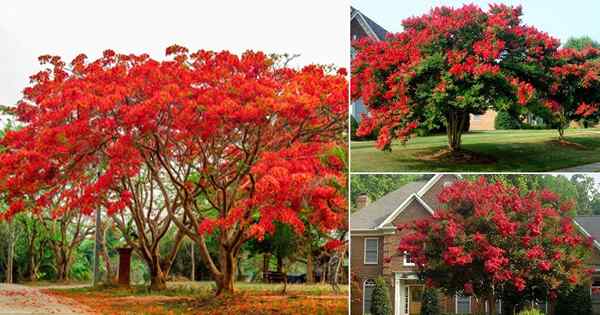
513, 151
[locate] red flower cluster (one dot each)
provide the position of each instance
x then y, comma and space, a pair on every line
492, 233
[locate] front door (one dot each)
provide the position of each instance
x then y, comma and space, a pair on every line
415, 299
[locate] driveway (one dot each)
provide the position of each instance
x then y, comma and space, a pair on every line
19, 299
586, 168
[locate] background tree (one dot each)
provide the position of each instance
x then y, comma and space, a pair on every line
447, 65
575, 301
580, 43
491, 241
574, 87
233, 143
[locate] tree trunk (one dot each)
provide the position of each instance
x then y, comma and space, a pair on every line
192, 255
561, 133
157, 276
279, 264
310, 277
110, 277
11, 253
228, 266
456, 121
63, 269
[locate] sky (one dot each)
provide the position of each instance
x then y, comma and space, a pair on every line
317, 30
561, 19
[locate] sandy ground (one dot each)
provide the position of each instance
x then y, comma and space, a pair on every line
19, 299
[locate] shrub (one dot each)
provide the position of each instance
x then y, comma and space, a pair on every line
504, 120
380, 301
532, 311
577, 301
430, 304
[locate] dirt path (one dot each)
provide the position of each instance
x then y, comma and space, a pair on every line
19, 299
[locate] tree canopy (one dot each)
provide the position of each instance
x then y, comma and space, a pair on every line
453, 62
492, 241
229, 143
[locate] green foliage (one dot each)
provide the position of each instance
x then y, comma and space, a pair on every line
575, 302
532, 312
380, 301
582, 42
505, 120
430, 304
375, 186
353, 128
580, 188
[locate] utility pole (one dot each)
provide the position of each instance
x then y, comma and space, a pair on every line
96, 279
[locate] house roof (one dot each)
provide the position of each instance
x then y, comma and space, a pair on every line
591, 225
371, 216
379, 31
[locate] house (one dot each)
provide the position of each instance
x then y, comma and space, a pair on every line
362, 26
373, 237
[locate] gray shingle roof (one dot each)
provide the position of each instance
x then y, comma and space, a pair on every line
591, 224
372, 215
379, 31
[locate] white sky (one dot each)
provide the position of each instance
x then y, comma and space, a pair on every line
317, 30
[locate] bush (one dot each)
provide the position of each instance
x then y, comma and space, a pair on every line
504, 120
577, 301
430, 304
380, 300
532, 311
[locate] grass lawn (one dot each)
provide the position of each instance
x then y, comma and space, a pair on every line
198, 298
512, 150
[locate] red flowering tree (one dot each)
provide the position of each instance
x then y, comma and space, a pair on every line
491, 240
229, 143
446, 65
574, 91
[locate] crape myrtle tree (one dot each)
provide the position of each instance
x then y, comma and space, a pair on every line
446, 65
493, 242
231, 143
574, 91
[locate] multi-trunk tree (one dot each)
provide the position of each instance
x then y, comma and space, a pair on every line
493, 242
231, 143
454, 62
446, 65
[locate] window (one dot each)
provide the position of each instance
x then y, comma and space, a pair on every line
408, 260
368, 287
463, 304
476, 117
371, 251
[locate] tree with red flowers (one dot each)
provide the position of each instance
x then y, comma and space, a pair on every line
492, 240
230, 143
574, 91
446, 65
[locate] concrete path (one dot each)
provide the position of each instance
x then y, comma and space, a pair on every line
19, 299
586, 168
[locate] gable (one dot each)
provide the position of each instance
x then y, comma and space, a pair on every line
412, 208
431, 191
